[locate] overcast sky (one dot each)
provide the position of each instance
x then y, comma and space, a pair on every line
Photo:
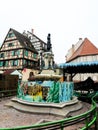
65, 20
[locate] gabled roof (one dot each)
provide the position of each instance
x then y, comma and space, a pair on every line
12, 72
24, 41
86, 48
38, 38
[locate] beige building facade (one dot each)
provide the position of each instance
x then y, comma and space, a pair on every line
83, 51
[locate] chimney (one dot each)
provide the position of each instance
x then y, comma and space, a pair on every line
73, 48
80, 39
32, 31
24, 33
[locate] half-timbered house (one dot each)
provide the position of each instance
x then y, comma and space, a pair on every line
17, 52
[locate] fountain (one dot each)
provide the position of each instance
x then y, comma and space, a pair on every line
45, 93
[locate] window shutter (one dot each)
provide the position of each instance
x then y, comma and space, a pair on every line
1, 63
12, 53
6, 63
12, 62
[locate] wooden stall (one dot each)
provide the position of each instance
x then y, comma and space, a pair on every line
8, 85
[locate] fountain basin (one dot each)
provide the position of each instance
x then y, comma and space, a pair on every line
60, 109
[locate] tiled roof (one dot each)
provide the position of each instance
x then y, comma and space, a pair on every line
86, 48
24, 41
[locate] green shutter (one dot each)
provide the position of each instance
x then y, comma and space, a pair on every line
12, 62
1, 63
18, 52
26, 53
13, 53
24, 62
34, 55
6, 63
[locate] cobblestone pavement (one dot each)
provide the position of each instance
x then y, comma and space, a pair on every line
9, 117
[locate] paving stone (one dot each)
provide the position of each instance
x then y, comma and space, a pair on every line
9, 117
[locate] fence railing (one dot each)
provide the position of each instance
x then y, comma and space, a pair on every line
89, 118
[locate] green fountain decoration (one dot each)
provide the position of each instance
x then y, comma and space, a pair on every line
56, 93
20, 92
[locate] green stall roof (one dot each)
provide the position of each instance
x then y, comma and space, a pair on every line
80, 67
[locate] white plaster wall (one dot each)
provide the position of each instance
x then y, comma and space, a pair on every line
82, 77
26, 73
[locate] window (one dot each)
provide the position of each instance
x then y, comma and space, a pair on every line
14, 62
4, 63
2, 55
29, 63
10, 35
9, 53
35, 56
25, 62
94, 58
26, 53
17, 52
10, 44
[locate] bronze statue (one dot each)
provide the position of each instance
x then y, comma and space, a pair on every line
49, 42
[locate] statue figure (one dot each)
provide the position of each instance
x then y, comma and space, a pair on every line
49, 42
42, 64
